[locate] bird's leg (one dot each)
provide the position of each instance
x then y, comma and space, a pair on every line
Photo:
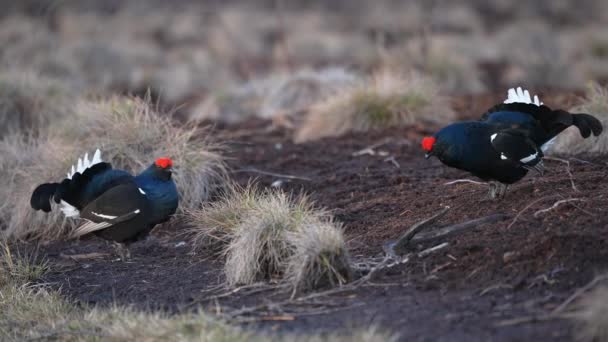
493, 188
122, 251
497, 190
502, 190
538, 168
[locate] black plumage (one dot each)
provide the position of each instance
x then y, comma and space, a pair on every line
114, 204
508, 141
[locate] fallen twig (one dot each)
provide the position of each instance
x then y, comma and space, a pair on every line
465, 181
556, 204
567, 162
370, 149
432, 250
528, 207
266, 173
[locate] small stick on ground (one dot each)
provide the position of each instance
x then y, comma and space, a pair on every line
528, 207
557, 204
567, 162
266, 173
432, 250
465, 181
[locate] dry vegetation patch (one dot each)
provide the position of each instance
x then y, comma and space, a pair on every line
570, 141
268, 234
386, 99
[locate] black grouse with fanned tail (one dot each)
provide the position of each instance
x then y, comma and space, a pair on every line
114, 204
508, 141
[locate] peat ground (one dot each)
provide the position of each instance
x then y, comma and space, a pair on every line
470, 290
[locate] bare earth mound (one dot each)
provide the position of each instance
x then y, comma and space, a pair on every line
378, 184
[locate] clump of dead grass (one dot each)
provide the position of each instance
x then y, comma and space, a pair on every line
320, 258
259, 248
570, 141
29, 101
270, 235
387, 99
215, 221
593, 316
132, 133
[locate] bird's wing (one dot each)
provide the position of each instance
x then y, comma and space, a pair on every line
119, 204
515, 146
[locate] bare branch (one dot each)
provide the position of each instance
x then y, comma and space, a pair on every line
556, 204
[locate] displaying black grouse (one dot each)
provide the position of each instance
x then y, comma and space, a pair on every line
115, 205
508, 141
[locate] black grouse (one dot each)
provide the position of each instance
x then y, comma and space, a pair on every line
115, 205
508, 140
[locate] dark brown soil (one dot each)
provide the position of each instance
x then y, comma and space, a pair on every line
525, 265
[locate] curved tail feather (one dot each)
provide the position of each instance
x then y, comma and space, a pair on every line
41, 197
587, 124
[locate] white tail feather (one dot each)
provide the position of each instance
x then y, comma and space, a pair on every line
520, 95
83, 164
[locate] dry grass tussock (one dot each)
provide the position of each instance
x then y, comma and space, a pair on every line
570, 141
214, 223
34, 312
29, 101
259, 248
320, 258
592, 319
387, 99
267, 234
